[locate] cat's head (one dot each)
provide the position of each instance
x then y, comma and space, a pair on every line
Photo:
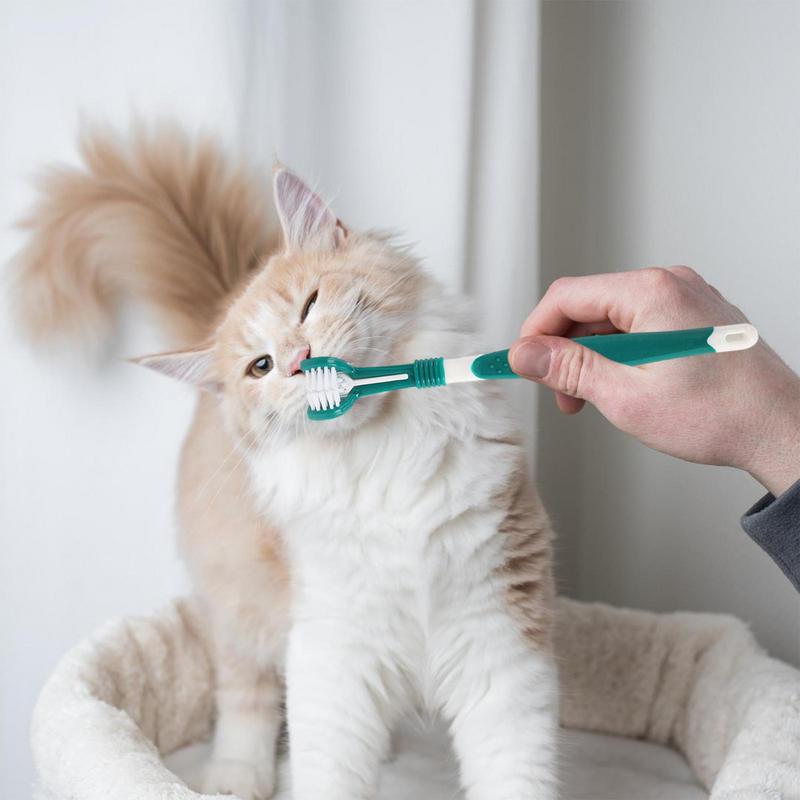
328, 292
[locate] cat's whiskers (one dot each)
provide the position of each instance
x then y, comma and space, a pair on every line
234, 449
243, 453
257, 443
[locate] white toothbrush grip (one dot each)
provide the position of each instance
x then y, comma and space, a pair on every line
459, 370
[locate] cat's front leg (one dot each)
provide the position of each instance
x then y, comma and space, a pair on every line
503, 707
248, 699
338, 712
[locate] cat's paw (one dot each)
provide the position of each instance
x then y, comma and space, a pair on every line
245, 780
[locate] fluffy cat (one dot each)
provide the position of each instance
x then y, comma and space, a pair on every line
392, 559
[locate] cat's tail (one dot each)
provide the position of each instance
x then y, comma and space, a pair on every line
158, 217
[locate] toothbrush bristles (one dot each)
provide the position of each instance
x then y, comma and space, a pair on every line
322, 388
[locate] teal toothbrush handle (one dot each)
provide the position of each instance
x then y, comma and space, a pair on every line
626, 348
644, 348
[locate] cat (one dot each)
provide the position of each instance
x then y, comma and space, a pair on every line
394, 558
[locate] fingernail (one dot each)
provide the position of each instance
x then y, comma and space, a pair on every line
531, 360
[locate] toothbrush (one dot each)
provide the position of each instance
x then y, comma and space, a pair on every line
333, 385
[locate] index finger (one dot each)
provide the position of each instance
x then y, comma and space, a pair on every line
614, 297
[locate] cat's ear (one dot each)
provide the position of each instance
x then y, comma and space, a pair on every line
189, 366
306, 219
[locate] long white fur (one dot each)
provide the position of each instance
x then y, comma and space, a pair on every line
390, 526
386, 579
392, 537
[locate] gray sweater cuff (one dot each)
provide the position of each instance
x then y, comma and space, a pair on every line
774, 524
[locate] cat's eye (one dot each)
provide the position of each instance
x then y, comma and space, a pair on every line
308, 306
260, 367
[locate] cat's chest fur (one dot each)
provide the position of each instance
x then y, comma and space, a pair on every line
387, 527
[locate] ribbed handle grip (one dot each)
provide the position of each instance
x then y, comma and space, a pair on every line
428, 372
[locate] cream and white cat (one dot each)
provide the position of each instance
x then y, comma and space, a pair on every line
396, 558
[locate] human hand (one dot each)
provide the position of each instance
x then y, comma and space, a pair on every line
737, 409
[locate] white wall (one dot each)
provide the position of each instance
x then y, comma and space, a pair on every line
670, 136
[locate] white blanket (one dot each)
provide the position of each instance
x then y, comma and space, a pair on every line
594, 766
141, 689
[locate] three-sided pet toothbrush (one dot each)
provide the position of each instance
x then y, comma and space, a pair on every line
333, 385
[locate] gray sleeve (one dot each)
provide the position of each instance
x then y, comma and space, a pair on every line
774, 524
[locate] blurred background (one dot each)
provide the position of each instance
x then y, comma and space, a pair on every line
512, 141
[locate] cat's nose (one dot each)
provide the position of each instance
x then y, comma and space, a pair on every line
296, 358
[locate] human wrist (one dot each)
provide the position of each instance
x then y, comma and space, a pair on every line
780, 475
775, 463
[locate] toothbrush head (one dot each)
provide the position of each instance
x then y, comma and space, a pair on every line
328, 387
333, 385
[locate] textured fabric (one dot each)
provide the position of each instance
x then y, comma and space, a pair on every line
593, 766
142, 688
774, 524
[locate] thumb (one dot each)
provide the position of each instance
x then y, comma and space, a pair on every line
568, 367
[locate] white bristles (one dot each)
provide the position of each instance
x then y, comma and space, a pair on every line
325, 387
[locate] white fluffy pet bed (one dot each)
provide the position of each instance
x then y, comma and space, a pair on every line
140, 690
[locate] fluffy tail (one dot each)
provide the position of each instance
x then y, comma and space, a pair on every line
160, 218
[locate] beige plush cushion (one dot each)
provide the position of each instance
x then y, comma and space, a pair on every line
698, 682
141, 688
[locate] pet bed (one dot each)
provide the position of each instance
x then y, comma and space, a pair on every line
673, 706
